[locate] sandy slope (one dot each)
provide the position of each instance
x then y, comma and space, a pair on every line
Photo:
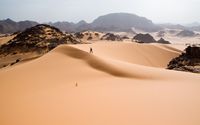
4, 40
111, 88
143, 54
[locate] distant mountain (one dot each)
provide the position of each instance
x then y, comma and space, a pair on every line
10, 26
186, 33
119, 22
194, 24
123, 22
64, 26
82, 22
195, 28
72, 27
83, 26
172, 26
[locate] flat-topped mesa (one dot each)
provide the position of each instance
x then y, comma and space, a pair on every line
188, 61
39, 37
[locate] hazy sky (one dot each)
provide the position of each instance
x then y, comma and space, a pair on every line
159, 11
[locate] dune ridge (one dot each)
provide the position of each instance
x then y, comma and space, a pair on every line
93, 61
142, 54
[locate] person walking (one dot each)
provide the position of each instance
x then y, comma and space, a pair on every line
91, 50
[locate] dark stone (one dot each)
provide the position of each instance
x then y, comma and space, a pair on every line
193, 52
163, 41
144, 38
79, 35
188, 61
111, 37
89, 38
96, 34
125, 37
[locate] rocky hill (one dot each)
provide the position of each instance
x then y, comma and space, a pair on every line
147, 38
38, 38
163, 41
144, 38
189, 61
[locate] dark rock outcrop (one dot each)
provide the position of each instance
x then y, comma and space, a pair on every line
79, 35
193, 52
144, 38
111, 37
125, 37
89, 38
188, 61
38, 38
163, 41
96, 34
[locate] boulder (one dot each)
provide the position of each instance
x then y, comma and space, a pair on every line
125, 37
111, 37
144, 38
188, 61
163, 41
193, 52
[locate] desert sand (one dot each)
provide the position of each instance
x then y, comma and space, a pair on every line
5, 39
119, 84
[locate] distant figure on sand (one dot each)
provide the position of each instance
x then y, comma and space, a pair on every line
91, 51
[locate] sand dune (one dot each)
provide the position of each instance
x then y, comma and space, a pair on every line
120, 83
143, 54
